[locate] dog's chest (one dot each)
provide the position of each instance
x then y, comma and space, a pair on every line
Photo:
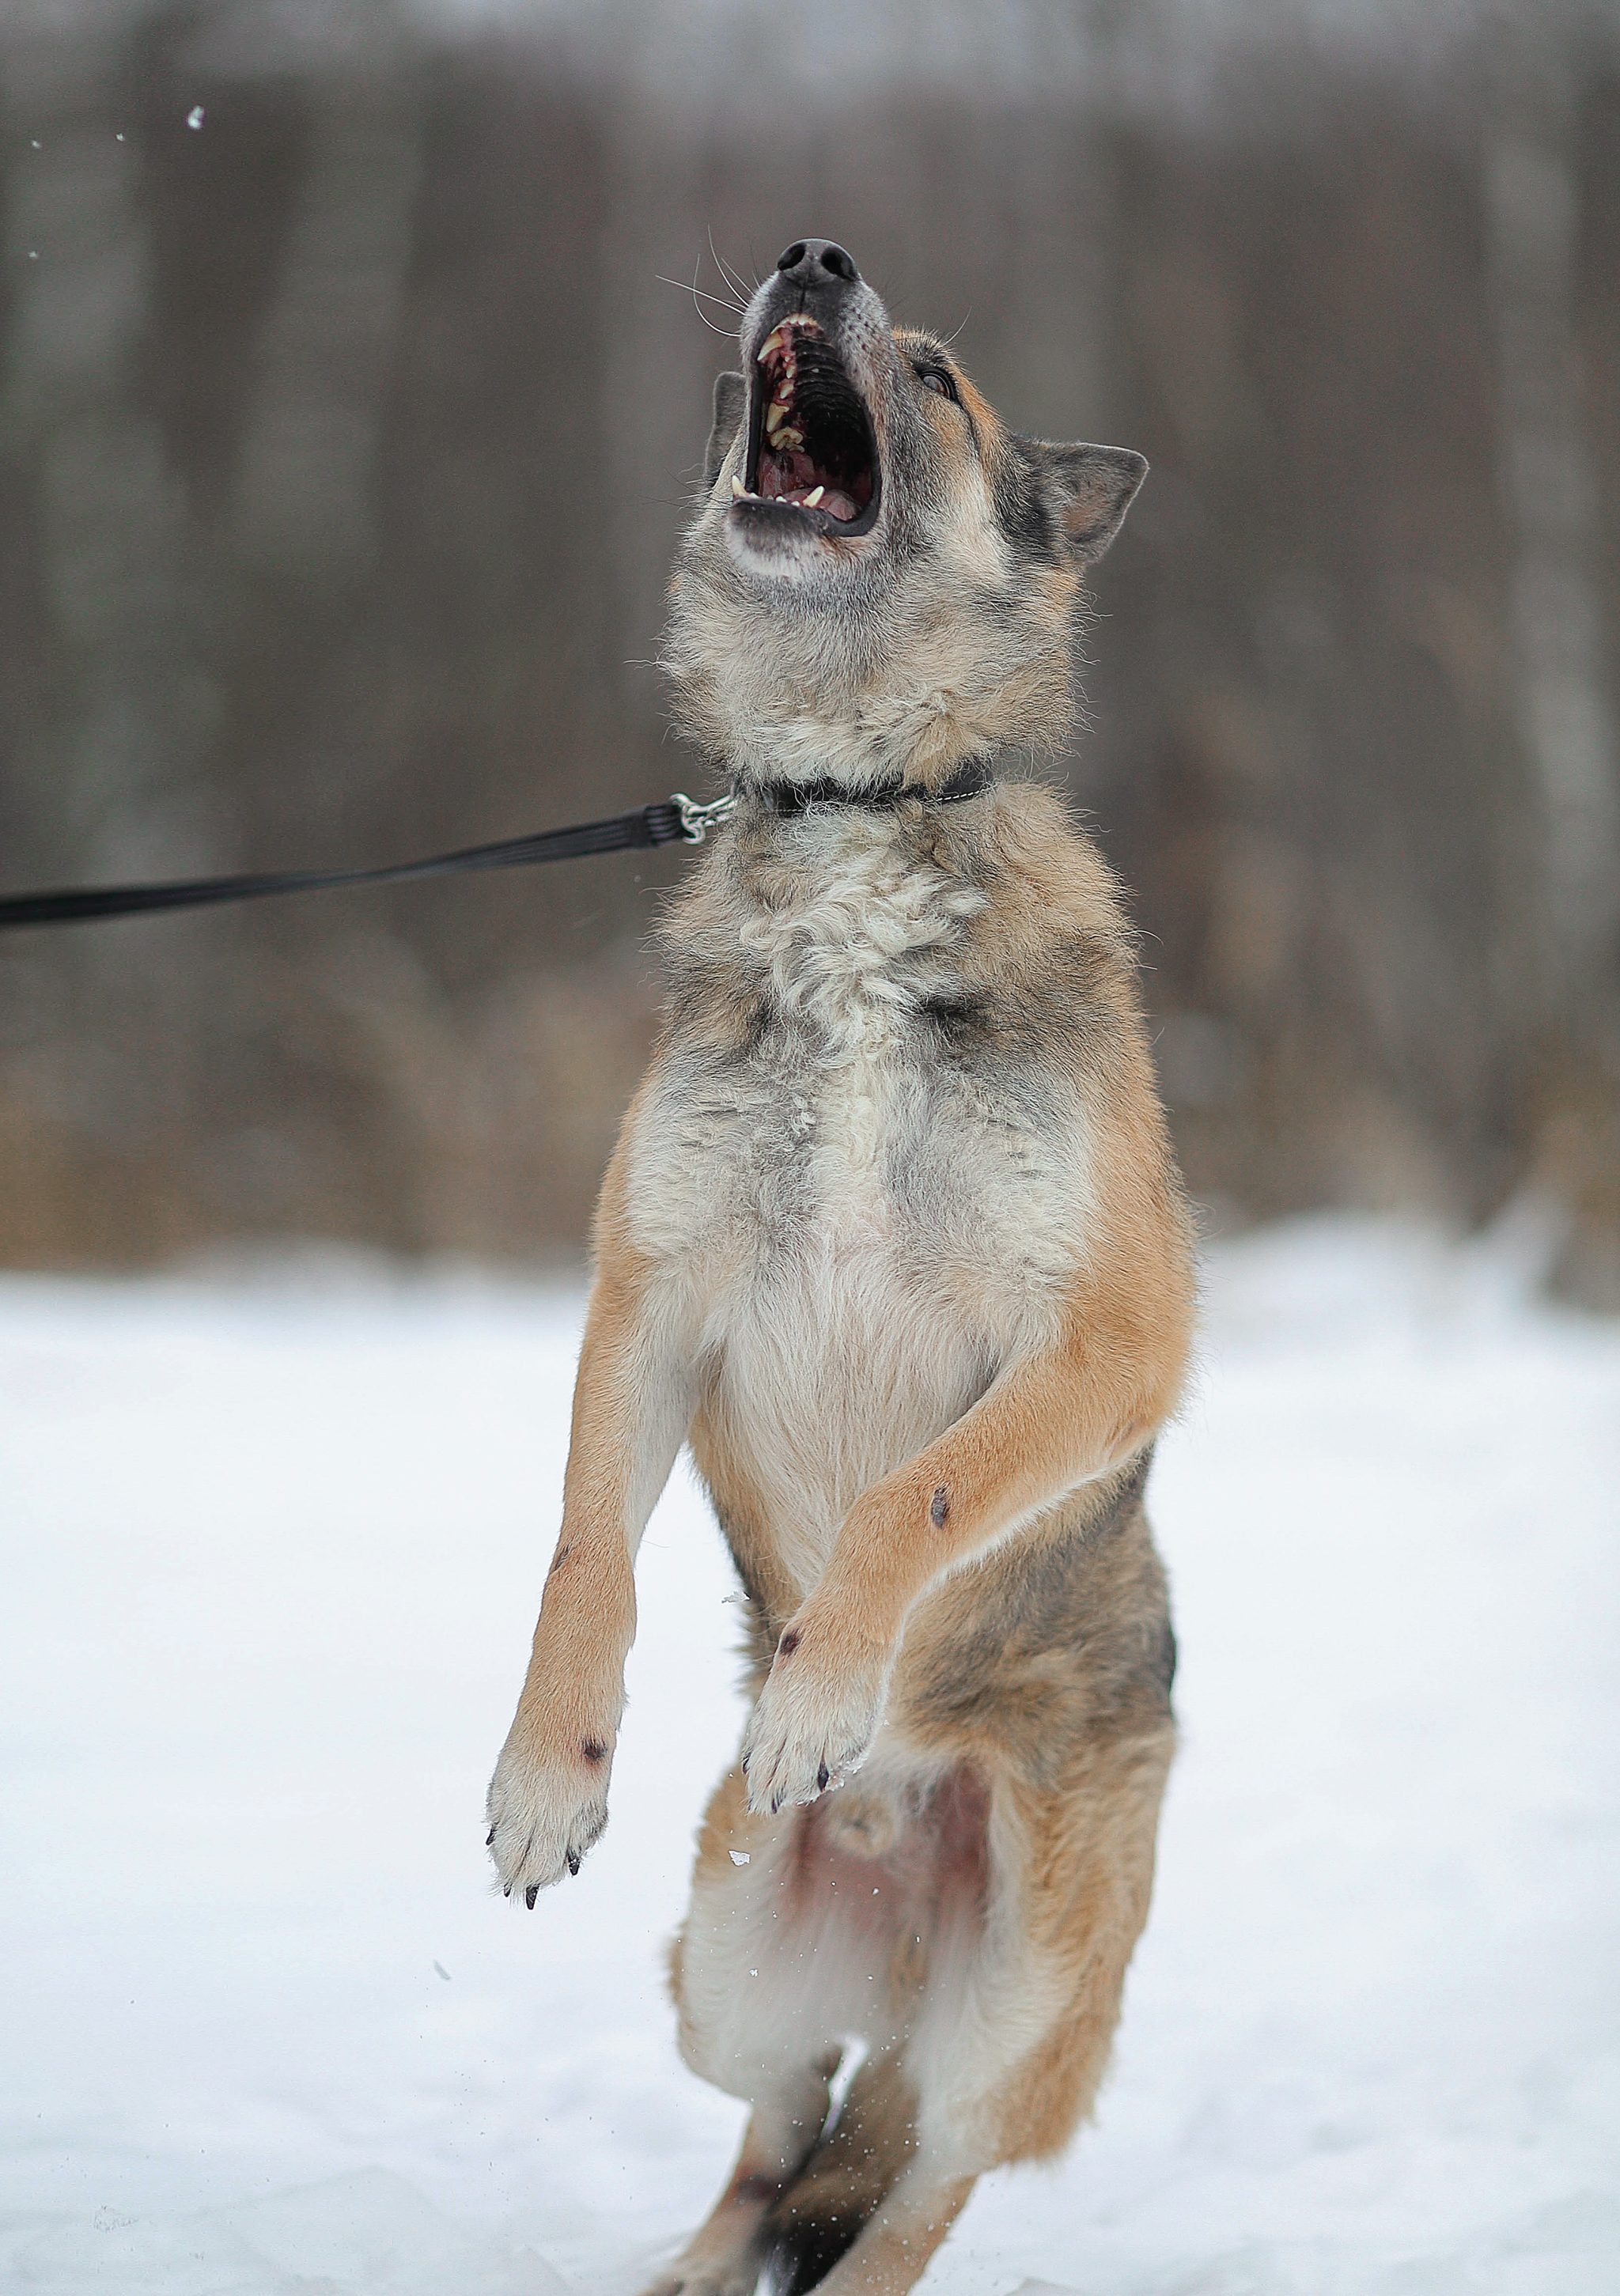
854, 1160
859, 1217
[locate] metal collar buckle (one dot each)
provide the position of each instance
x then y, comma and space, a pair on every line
697, 820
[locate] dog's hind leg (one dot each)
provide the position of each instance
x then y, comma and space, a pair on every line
763, 2017
851, 2171
1037, 1899
893, 2247
724, 2256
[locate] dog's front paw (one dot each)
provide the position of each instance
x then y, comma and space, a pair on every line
546, 1806
818, 1714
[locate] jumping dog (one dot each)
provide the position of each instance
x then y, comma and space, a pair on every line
893, 1237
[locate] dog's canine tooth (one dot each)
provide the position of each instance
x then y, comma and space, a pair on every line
737, 488
813, 497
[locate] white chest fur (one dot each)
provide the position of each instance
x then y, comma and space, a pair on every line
860, 1227
843, 948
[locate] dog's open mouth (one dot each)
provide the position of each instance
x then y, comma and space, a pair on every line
811, 451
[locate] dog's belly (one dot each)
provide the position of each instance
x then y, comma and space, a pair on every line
828, 1373
860, 1247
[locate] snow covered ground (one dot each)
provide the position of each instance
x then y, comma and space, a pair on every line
271, 1554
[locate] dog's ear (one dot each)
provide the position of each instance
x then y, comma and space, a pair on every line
730, 398
1087, 489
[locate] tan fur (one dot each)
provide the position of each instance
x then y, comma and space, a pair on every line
894, 1238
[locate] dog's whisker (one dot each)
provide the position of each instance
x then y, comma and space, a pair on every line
732, 279
699, 298
728, 298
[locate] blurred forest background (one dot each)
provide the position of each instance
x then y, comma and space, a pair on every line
346, 429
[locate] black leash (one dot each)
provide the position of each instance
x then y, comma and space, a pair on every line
677, 822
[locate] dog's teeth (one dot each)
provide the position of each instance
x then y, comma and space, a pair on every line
813, 497
737, 488
774, 341
776, 415
790, 438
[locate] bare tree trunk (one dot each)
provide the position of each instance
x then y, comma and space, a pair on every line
110, 511
305, 504
1549, 485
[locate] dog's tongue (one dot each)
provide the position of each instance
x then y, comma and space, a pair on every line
794, 478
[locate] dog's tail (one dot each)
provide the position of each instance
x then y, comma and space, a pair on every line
853, 2167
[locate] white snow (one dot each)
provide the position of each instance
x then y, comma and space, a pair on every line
271, 1555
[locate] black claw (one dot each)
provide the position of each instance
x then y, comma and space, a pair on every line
507, 1892
574, 1861
488, 1836
530, 1894
744, 1765
822, 1776
776, 1804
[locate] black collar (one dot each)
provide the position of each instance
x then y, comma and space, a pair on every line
788, 797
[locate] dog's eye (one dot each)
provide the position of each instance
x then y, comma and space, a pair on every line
939, 378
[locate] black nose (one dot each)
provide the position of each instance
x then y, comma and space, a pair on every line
808, 260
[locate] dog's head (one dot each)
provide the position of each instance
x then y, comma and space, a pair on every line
881, 577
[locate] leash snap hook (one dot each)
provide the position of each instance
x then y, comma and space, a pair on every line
697, 820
